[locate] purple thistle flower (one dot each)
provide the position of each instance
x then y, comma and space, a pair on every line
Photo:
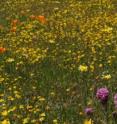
115, 100
102, 94
89, 111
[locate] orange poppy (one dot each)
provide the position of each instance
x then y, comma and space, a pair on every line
13, 29
41, 19
2, 50
15, 22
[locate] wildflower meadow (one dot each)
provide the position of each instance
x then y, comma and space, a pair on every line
58, 62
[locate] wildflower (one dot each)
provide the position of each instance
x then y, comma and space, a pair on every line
88, 121
100, 65
102, 94
10, 98
42, 115
33, 121
55, 121
14, 22
4, 113
107, 29
1, 100
29, 107
115, 100
17, 96
107, 77
92, 68
41, 119
13, 29
51, 41
2, 50
80, 113
41, 19
41, 98
89, 111
52, 93
5, 122
25, 120
21, 106
12, 109
1, 79
10, 60
68, 89
83, 68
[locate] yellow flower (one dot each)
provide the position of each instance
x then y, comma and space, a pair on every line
29, 107
10, 60
107, 29
4, 113
80, 113
21, 106
1, 100
25, 120
92, 68
17, 96
55, 121
52, 93
41, 98
107, 77
42, 119
1, 79
42, 115
51, 41
33, 121
12, 109
5, 122
88, 121
10, 98
100, 65
83, 68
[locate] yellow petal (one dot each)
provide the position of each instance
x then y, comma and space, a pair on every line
88, 121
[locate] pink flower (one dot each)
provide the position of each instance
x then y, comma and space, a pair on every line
102, 94
88, 111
